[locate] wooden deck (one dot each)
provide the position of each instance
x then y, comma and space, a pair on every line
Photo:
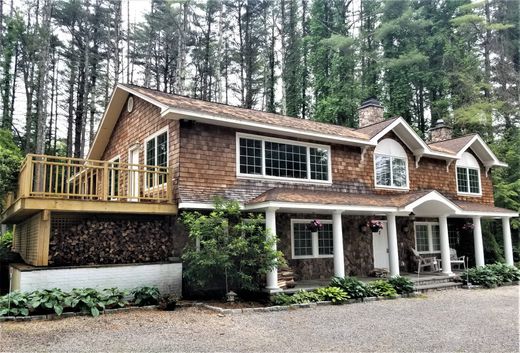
80, 185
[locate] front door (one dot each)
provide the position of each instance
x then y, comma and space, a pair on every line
380, 247
133, 180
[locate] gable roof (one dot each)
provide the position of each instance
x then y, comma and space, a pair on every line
179, 107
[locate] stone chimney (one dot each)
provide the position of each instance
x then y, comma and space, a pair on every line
440, 132
370, 112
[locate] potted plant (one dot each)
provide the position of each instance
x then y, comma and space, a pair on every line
314, 226
375, 226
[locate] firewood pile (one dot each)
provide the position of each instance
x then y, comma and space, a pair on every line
94, 242
286, 278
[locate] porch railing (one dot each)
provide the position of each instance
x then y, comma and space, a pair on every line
54, 177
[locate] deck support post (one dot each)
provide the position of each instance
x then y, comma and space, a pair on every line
337, 240
508, 247
445, 245
272, 276
392, 245
477, 238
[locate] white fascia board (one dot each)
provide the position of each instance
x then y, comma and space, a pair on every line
487, 214
494, 160
177, 114
320, 207
196, 205
432, 196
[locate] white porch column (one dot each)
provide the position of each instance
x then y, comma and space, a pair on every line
508, 247
272, 276
445, 245
392, 245
337, 240
479, 245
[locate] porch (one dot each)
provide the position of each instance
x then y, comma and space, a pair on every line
391, 209
64, 184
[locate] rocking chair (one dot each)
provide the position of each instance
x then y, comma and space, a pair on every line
423, 262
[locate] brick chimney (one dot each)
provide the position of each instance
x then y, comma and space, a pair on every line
370, 112
440, 132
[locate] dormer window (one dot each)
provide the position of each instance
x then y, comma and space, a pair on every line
468, 175
391, 165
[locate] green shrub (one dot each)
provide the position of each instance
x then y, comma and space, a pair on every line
352, 286
381, 288
402, 285
491, 276
14, 304
282, 299
6, 240
91, 301
114, 298
47, 299
146, 296
334, 294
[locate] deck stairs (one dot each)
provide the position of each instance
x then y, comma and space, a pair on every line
426, 283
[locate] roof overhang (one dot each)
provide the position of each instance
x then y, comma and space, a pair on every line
412, 140
483, 152
214, 119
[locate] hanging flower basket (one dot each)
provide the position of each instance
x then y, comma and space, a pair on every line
314, 226
468, 226
375, 226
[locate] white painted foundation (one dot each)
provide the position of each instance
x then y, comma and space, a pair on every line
165, 276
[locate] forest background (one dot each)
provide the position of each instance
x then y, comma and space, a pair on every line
457, 60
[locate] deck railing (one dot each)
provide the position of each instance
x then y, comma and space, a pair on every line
54, 177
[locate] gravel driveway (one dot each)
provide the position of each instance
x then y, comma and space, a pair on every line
451, 321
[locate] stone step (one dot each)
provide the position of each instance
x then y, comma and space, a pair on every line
421, 282
437, 286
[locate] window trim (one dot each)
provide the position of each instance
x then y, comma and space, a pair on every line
263, 176
430, 237
314, 239
377, 186
150, 137
468, 193
112, 180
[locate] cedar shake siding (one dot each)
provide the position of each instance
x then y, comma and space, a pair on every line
208, 168
203, 158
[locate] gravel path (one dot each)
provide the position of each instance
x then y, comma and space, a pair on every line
451, 321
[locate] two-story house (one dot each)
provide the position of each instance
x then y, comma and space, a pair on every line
156, 154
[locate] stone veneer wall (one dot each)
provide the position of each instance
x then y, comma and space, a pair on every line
357, 247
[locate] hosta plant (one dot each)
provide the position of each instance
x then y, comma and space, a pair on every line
47, 300
14, 304
402, 285
334, 294
146, 296
352, 286
382, 288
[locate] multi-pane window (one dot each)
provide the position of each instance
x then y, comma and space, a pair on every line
391, 168
468, 175
273, 158
156, 154
250, 156
307, 244
427, 237
453, 235
284, 160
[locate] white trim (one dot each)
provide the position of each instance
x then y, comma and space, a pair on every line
196, 205
263, 139
177, 114
314, 240
432, 196
468, 193
477, 138
112, 180
143, 97
145, 156
429, 235
319, 206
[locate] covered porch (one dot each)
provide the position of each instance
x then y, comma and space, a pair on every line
338, 208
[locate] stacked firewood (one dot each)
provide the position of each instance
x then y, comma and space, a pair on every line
286, 278
93, 242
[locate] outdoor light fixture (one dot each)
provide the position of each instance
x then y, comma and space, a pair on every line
411, 216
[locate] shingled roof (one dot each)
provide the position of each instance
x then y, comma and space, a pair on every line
243, 114
453, 145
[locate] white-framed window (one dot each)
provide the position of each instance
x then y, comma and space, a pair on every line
390, 165
306, 245
113, 178
427, 237
266, 157
468, 175
156, 154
